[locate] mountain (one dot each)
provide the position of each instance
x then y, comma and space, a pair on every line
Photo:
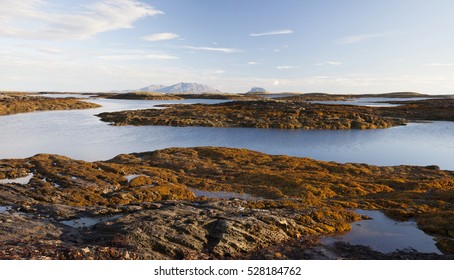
151, 88
192, 88
257, 90
188, 88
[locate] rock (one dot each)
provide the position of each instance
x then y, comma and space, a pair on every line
291, 200
13, 104
140, 181
259, 114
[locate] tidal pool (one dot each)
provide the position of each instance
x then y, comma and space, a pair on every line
386, 235
88, 221
21, 180
222, 194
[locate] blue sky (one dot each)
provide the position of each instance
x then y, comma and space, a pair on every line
349, 46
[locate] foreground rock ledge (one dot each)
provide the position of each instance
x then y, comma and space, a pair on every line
155, 214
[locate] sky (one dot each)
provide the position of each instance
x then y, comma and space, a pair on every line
348, 46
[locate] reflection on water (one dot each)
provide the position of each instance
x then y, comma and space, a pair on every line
370, 101
88, 221
132, 176
386, 235
81, 135
21, 180
221, 194
4, 209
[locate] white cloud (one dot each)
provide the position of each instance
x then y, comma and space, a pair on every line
439, 64
332, 63
137, 57
270, 33
252, 63
160, 37
286, 67
224, 50
29, 19
359, 38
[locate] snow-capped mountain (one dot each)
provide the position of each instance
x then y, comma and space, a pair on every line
193, 88
151, 88
187, 88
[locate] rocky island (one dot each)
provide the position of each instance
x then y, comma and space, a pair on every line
144, 205
23, 103
286, 115
260, 114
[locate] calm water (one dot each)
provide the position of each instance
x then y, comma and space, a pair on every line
88, 221
386, 235
370, 101
81, 135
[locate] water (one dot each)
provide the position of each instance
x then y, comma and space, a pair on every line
88, 221
222, 194
21, 180
4, 209
370, 101
386, 235
132, 176
80, 135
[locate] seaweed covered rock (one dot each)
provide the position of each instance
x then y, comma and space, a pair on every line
156, 215
20, 103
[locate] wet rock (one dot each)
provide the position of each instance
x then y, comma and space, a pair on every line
260, 114
289, 114
293, 199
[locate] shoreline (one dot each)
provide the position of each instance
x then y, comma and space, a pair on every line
303, 199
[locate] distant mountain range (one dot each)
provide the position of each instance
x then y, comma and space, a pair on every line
257, 90
192, 88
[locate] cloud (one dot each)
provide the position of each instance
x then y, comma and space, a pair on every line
160, 37
29, 19
439, 64
270, 33
359, 38
332, 63
286, 67
224, 50
252, 63
137, 57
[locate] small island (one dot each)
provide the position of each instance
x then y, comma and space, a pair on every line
258, 114
285, 114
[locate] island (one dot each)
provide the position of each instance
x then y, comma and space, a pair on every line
286, 114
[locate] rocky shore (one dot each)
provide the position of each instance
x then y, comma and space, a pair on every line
287, 115
258, 114
22, 103
143, 206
